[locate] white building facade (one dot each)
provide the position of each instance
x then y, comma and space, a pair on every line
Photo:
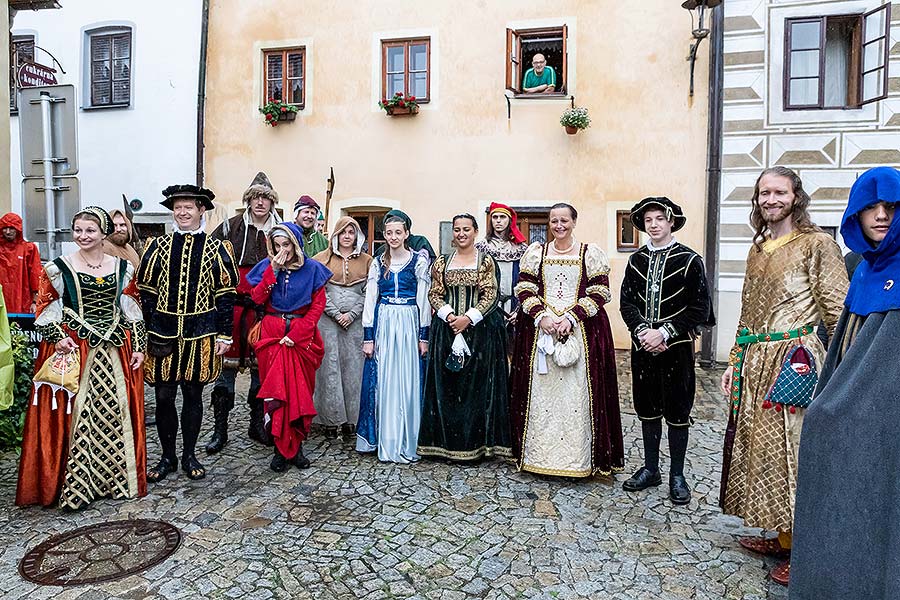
813, 86
135, 67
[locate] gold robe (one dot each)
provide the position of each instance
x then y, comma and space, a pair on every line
795, 280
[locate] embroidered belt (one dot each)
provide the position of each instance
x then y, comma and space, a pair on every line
398, 301
744, 339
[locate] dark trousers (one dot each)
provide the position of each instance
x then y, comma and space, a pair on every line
167, 416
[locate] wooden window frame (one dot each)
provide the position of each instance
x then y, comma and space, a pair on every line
112, 34
623, 217
371, 215
405, 43
14, 64
532, 215
857, 70
514, 62
285, 80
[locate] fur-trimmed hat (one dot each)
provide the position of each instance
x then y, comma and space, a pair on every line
174, 192
672, 210
260, 187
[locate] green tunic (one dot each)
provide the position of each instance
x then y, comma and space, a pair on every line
314, 242
532, 79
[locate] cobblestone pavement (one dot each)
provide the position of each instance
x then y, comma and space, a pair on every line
351, 527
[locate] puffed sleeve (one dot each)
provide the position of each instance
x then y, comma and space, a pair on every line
828, 280
488, 290
226, 280
148, 279
436, 296
49, 312
129, 303
526, 289
597, 291
423, 284
368, 315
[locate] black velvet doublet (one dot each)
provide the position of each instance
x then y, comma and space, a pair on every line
665, 289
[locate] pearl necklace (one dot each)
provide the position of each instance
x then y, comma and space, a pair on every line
558, 251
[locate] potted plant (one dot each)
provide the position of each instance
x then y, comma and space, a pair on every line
398, 104
276, 110
574, 119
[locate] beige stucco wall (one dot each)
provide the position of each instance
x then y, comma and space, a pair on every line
626, 65
5, 201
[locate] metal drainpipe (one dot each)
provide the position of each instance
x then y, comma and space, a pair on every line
201, 92
714, 172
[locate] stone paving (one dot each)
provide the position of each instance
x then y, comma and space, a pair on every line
352, 527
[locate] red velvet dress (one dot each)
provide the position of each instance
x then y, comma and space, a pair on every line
288, 373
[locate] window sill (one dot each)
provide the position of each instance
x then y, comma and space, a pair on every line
106, 106
540, 96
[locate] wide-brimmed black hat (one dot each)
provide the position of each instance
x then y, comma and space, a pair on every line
672, 210
174, 192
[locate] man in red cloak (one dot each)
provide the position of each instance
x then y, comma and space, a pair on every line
20, 266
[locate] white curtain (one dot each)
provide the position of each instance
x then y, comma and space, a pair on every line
838, 37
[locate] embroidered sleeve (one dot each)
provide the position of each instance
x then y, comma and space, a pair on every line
423, 284
49, 312
828, 280
697, 311
488, 290
631, 302
597, 292
437, 291
226, 278
147, 279
526, 289
742, 319
129, 302
368, 315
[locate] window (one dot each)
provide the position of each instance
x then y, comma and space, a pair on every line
406, 68
110, 67
628, 237
836, 61
285, 75
21, 50
523, 44
533, 223
372, 226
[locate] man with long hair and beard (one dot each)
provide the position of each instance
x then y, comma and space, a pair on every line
120, 242
795, 277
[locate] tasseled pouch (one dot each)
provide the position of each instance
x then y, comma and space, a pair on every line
796, 381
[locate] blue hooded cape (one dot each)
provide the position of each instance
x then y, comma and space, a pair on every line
875, 286
294, 288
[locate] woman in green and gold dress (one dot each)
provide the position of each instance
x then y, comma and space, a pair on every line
90, 445
466, 412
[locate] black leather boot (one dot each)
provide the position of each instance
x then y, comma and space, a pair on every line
279, 462
679, 492
641, 480
222, 403
300, 461
257, 429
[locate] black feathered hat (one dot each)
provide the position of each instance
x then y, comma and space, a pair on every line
672, 210
174, 192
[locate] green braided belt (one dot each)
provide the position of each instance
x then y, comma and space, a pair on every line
744, 339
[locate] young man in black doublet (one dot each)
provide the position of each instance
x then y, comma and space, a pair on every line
665, 299
187, 283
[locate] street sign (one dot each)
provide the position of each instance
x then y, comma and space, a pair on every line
34, 214
34, 74
63, 130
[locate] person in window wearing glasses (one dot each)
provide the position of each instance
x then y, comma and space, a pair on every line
540, 78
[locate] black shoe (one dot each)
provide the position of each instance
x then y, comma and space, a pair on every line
257, 429
192, 467
162, 468
300, 461
279, 462
641, 480
348, 431
679, 492
222, 402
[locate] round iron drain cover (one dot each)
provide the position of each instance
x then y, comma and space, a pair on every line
101, 552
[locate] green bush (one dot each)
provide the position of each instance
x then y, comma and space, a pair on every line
12, 420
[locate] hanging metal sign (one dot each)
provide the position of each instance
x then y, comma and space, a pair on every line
33, 74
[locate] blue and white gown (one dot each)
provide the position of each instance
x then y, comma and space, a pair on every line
396, 317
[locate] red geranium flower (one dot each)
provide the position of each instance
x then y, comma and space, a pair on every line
398, 94
283, 109
411, 99
401, 104
273, 123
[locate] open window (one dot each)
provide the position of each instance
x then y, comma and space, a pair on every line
628, 238
371, 222
836, 62
285, 76
521, 47
406, 68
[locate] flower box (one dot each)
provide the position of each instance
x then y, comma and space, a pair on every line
287, 116
396, 111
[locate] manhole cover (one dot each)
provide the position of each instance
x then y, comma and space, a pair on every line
100, 552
